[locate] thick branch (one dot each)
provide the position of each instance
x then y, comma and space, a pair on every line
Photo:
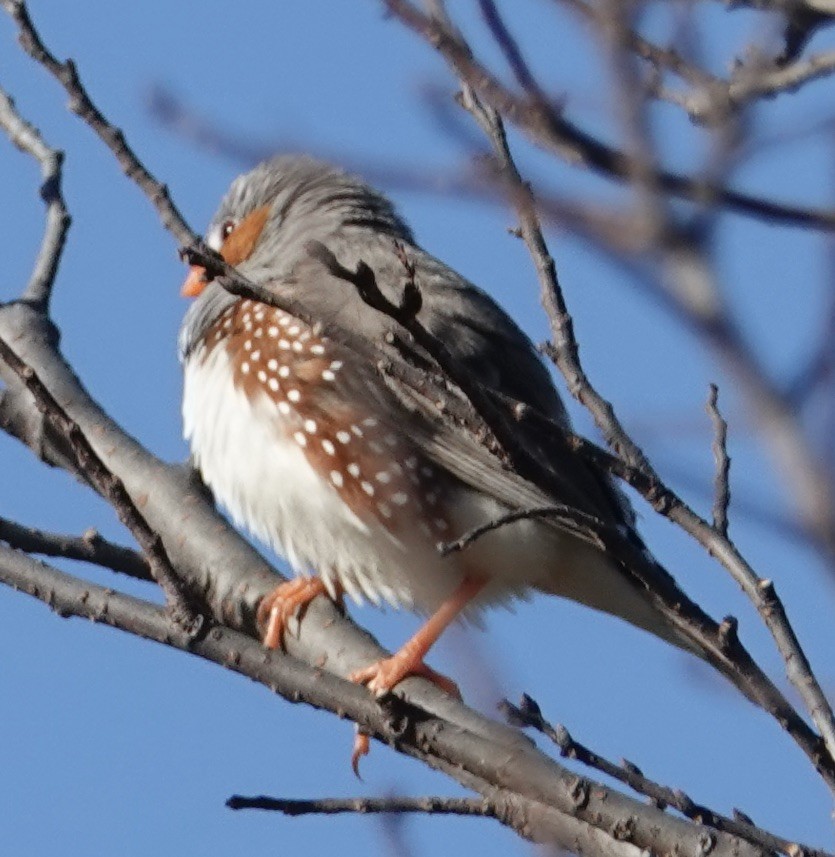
541, 800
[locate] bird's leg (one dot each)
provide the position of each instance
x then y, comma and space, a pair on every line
383, 675
279, 606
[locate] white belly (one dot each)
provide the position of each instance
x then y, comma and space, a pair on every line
245, 454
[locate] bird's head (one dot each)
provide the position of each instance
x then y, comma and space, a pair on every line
270, 214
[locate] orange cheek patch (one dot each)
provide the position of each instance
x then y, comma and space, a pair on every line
241, 241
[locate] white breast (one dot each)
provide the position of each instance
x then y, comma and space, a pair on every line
245, 453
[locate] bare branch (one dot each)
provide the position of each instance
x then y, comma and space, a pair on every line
28, 139
365, 805
112, 489
747, 85
566, 355
82, 105
722, 488
571, 519
552, 131
89, 547
528, 713
534, 795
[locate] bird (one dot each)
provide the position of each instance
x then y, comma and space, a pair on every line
303, 427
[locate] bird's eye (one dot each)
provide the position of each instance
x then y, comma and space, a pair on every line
226, 229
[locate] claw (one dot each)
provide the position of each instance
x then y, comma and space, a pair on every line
362, 747
381, 677
282, 604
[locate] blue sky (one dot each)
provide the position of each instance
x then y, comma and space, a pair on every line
116, 744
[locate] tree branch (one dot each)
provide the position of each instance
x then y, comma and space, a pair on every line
26, 137
89, 547
365, 805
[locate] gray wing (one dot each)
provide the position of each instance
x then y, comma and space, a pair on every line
485, 340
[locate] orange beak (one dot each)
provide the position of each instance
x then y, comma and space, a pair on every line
237, 247
195, 282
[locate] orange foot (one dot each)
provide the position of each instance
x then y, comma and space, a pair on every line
383, 675
285, 601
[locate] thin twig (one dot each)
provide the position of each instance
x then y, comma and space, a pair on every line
748, 85
721, 480
553, 132
529, 714
28, 139
89, 547
365, 805
565, 352
82, 105
570, 519
113, 490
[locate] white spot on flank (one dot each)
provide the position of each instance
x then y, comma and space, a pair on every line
248, 345
284, 372
354, 469
411, 462
273, 385
327, 375
370, 422
283, 319
245, 367
259, 315
310, 426
258, 332
336, 365
328, 447
336, 478
297, 346
317, 349
356, 430
294, 330
343, 436
400, 498
385, 509
293, 395
375, 447
301, 440
283, 408
383, 477
272, 364
262, 376
368, 488
255, 356
272, 331
283, 344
